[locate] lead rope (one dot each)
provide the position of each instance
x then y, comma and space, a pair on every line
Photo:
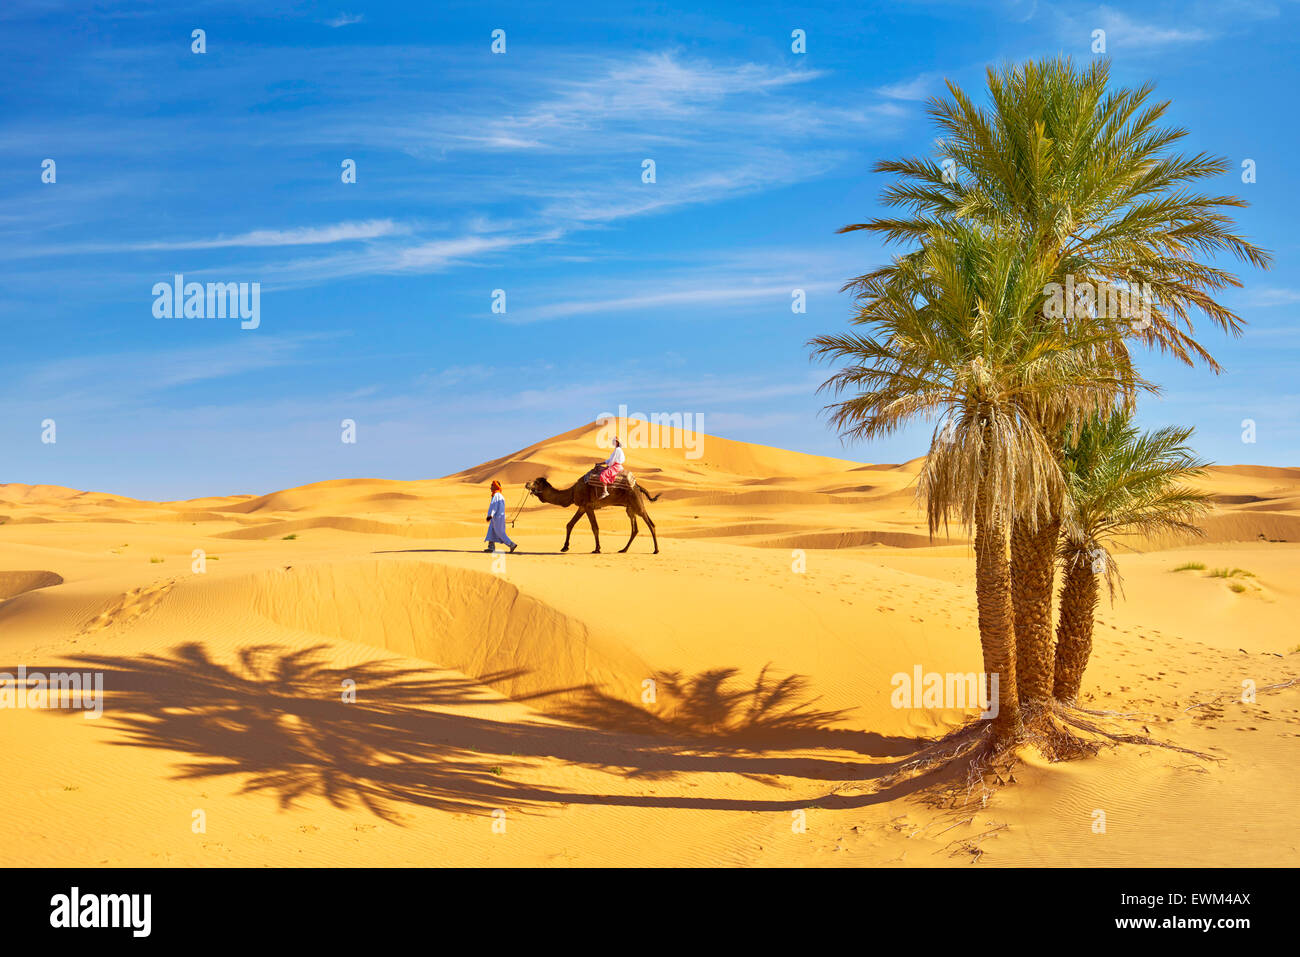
522, 502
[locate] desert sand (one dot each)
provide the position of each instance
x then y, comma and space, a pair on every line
501, 712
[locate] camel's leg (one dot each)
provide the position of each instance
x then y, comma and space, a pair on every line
632, 515
568, 529
595, 530
649, 521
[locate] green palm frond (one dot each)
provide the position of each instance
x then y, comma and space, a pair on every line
1121, 481
953, 335
1092, 176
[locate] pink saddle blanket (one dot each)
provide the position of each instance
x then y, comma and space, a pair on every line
624, 480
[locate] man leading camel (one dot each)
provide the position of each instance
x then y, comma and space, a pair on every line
611, 468
496, 517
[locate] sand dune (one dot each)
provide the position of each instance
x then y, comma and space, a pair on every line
15, 583
683, 708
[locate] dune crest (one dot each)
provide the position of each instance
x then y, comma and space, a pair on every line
730, 491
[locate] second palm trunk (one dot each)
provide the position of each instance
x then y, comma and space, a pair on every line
1033, 563
1074, 634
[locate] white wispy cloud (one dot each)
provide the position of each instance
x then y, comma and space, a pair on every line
345, 20
1126, 32
304, 236
1274, 297
143, 372
608, 104
661, 84
258, 238
758, 281
459, 375
722, 296
657, 94
426, 256
917, 88
718, 130
609, 199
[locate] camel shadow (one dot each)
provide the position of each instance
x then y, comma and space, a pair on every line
465, 551
281, 719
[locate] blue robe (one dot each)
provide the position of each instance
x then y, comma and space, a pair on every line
497, 515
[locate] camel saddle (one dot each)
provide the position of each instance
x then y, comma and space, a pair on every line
625, 479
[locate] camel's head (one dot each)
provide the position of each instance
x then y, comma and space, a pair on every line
537, 486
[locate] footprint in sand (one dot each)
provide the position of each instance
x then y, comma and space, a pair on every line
130, 607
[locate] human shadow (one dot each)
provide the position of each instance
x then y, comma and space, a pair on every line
285, 721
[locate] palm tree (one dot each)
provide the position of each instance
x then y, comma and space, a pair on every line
1118, 483
953, 336
1089, 177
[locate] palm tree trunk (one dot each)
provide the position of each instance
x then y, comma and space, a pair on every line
996, 619
1033, 567
1074, 633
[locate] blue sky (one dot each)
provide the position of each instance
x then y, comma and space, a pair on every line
522, 171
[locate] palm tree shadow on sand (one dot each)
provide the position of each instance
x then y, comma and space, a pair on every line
279, 718
712, 712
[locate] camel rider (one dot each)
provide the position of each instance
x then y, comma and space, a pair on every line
496, 518
611, 468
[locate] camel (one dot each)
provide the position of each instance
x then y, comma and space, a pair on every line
587, 498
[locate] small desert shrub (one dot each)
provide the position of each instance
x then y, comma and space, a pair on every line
289, 538
156, 560
1191, 567
1231, 573
1238, 587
